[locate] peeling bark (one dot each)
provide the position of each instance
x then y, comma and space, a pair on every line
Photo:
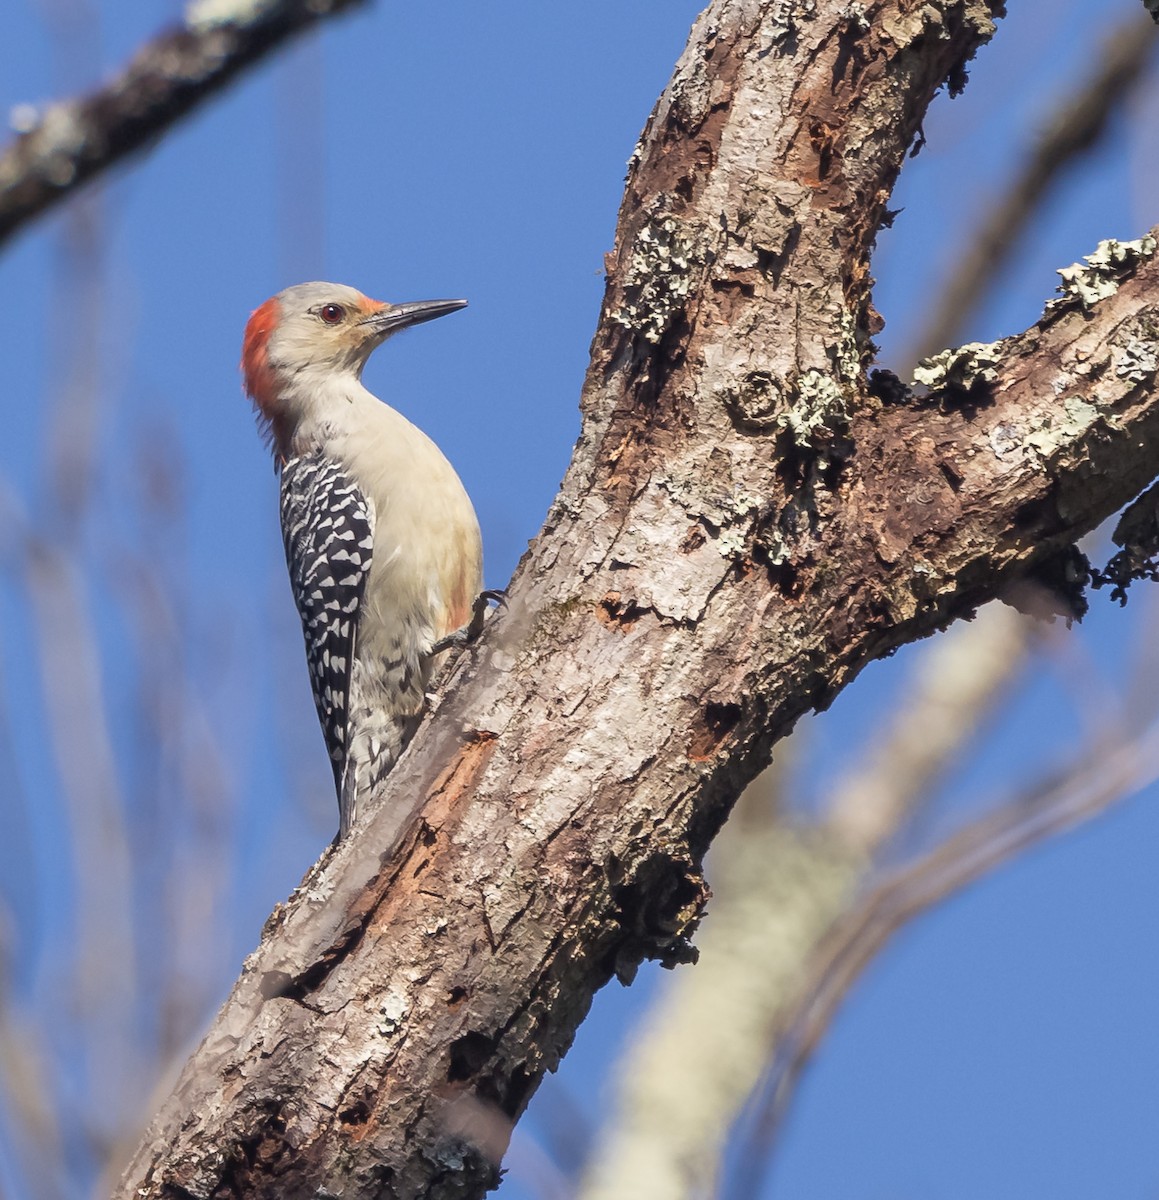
745, 524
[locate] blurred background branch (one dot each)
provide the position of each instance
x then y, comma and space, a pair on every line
1114, 75
68, 142
1104, 775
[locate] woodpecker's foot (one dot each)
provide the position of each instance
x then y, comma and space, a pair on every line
496, 596
469, 632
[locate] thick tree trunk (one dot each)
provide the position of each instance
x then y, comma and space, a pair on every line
745, 524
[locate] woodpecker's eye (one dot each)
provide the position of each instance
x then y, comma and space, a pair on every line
331, 313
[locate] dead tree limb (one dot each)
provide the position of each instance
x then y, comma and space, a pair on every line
1073, 129
72, 141
745, 524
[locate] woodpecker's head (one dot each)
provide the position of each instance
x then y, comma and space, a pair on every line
311, 340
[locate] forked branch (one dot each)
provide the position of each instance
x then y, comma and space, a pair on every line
745, 524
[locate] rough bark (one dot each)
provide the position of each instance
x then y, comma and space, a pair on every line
779, 885
72, 141
745, 524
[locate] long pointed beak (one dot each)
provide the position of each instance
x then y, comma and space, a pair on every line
402, 316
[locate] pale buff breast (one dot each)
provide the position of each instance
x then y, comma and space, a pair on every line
428, 555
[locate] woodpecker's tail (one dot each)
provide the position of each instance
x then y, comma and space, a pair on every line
375, 747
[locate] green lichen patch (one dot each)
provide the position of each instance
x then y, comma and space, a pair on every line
1135, 350
1069, 422
811, 407
658, 278
731, 543
969, 370
819, 407
846, 352
1099, 274
783, 21
783, 532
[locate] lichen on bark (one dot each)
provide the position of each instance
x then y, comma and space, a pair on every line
746, 524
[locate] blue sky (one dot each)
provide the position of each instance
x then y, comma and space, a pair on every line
1002, 1046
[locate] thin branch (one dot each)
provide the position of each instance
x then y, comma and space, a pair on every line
72, 141
1074, 128
1101, 778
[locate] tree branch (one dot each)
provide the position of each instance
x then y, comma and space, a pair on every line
74, 140
743, 527
778, 887
1073, 129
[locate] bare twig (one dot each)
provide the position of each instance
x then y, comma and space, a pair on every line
1102, 777
71, 141
1073, 129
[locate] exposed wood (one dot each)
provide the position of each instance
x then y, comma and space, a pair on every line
745, 524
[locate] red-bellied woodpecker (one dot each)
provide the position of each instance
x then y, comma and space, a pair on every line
381, 540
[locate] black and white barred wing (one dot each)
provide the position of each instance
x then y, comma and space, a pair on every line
328, 531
